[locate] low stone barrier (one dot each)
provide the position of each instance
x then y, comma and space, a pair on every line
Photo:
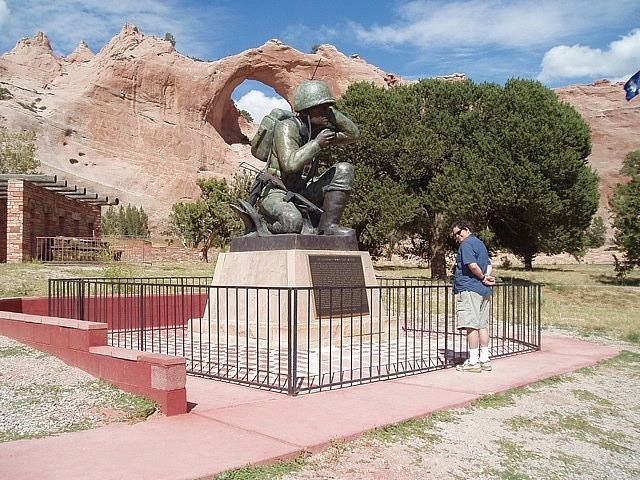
82, 344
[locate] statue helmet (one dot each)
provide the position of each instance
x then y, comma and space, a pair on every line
310, 94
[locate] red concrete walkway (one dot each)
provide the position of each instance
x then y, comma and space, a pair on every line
232, 426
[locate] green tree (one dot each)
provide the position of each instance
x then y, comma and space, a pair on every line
170, 38
382, 204
597, 233
17, 152
136, 222
625, 209
247, 116
5, 94
544, 194
511, 159
207, 222
109, 222
126, 222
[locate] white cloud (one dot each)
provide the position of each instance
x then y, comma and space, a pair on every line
621, 59
4, 12
259, 105
473, 25
469, 24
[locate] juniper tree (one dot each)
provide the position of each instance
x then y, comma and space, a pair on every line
511, 159
625, 210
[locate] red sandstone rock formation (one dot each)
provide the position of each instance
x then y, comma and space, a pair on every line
614, 129
142, 122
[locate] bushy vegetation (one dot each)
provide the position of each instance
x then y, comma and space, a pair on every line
512, 159
5, 94
170, 38
625, 209
129, 222
18, 152
597, 233
209, 221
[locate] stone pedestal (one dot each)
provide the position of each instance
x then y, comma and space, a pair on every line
264, 284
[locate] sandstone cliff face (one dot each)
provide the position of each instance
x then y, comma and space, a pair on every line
614, 129
141, 122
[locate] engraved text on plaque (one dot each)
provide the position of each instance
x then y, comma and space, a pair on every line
336, 279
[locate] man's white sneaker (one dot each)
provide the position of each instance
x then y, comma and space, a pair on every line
469, 367
486, 366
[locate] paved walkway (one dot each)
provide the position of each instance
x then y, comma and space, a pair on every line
232, 426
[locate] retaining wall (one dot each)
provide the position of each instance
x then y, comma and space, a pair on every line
83, 344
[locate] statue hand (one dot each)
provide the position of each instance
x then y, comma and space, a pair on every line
331, 114
325, 138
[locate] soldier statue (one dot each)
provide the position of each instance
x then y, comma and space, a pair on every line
289, 194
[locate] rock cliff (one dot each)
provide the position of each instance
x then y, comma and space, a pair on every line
613, 123
141, 122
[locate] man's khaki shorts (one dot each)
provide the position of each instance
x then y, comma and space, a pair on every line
472, 310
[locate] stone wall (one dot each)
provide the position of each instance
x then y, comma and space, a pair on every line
33, 211
82, 344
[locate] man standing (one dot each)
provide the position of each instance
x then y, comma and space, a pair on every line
472, 282
296, 142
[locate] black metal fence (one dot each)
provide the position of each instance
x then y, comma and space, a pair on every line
298, 339
80, 250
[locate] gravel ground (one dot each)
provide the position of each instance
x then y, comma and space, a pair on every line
584, 425
40, 395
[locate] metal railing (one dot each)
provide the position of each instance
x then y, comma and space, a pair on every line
79, 250
299, 339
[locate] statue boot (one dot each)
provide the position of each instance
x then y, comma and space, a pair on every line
334, 203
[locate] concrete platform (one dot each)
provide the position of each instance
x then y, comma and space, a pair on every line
232, 426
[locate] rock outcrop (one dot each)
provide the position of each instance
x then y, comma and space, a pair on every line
613, 121
142, 122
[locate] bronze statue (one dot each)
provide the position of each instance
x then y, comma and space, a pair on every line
287, 196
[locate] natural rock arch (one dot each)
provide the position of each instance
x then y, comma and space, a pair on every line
282, 68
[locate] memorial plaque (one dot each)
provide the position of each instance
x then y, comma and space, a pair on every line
337, 278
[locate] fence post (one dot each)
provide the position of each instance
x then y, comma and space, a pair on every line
81, 292
446, 322
50, 312
292, 337
538, 290
142, 344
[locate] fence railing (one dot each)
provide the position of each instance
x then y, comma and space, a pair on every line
296, 339
92, 249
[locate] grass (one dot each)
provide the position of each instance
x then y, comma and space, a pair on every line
587, 298
20, 350
424, 428
275, 470
137, 408
31, 279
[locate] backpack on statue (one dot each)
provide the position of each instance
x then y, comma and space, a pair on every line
263, 139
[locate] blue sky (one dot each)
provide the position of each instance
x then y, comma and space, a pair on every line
559, 42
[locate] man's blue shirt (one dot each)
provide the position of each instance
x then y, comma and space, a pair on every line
471, 250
